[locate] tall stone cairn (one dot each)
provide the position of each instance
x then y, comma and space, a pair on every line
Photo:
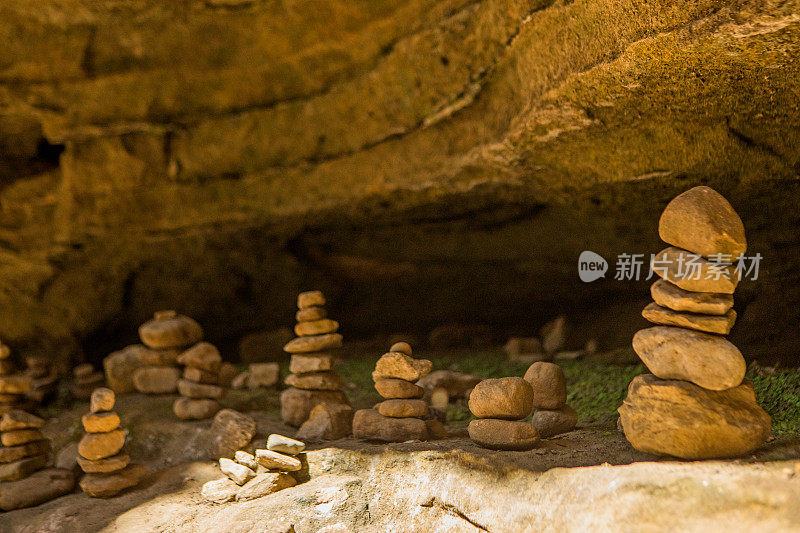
312, 380
696, 403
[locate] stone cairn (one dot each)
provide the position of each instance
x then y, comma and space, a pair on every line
500, 406
403, 415
695, 404
552, 415
86, 380
251, 476
100, 452
199, 387
25, 479
166, 336
14, 388
312, 380
44, 380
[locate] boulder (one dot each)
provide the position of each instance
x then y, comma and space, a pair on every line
500, 434
401, 366
710, 361
673, 297
369, 424
549, 385
156, 379
231, 431
692, 273
720, 324
296, 404
506, 398
327, 422
551, 422
38, 488
168, 330
111, 484
670, 417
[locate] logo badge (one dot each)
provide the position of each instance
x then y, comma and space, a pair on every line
591, 266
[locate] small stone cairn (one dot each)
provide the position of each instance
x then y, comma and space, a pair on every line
403, 415
500, 406
552, 416
87, 379
14, 387
25, 479
251, 476
44, 379
695, 404
166, 336
200, 383
100, 452
312, 380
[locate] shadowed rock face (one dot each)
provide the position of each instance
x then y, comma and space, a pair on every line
421, 162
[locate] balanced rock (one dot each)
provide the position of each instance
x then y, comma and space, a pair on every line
670, 417
673, 297
692, 273
327, 422
105, 465
369, 424
37, 488
296, 404
264, 484
279, 443
401, 366
220, 490
273, 460
245, 459
168, 329
720, 324
198, 375
504, 398
503, 434
95, 446
398, 388
102, 399
195, 408
710, 361
398, 408
192, 389
111, 484
303, 363
121, 365
314, 343
702, 221
550, 422
315, 381
156, 379
549, 385
402, 347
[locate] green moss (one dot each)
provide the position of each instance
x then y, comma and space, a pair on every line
779, 394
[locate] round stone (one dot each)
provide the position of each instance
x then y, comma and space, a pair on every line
549, 385
403, 408
316, 327
170, 330
505, 398
401, 366
500, 434
402, 347
310, 299
102, 400
95, 446
398, 388
692, 273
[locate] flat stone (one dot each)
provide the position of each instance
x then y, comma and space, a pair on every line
221, 490
316, 327
402, 347
202, 355
108, 485
499, 434
550, 422
17, 419
709, 361
156, 379
692, 273
102, 399
10, 454
702, 221
231, 431
265, 484
100, 422
37, 488
82, 370
310, 299
309, 314
549, 385
401, 366
245, 459
303, 363
273, 460
296, 404
673, 297
237, 473
198, 375
192, 389
95, 379
671, 417
105, 465
455, 383
315, 381
369, 424
22, 468
20, 436
15, 384
403, 408
282, 444
508, 398
195, 409
170, 330
263, 375
398, 388
327, 422
720, 324
315, 343
95, 446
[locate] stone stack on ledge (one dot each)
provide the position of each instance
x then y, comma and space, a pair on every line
100, 452
166, 336
695, 404
552, 415
14, 387
312, 380
500, 406
199, 385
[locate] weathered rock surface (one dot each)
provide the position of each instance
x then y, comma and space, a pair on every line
20, 436
239, 474
669, 417
17, 419
296, 404
314, 343
220, 490
503, 434
100, 422
548, 383
673, 297
192, 389
35, 489
102, 400
22, 468
720, 324
302, 363
282, 444
322, 326
330, 381
273, 460
505, 398
105, 465
709, 361
9, 454
202, 355
369, 424
551, 422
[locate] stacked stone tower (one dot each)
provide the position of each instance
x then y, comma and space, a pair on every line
200, 383
14, 387
695, 404
500, 406
312, 380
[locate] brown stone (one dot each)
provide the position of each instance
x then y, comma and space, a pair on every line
82, 370
202, 355
316, 327
499, 434
549, 385
108, 485
120, 366
302, 363
37, 488
170, 330
195, 409
263, 375
436, 429
17, 419
156, 379
455, 383
398, 388
315, 381
402, 347
95, 446
401, 366
191, 389
231, 431
550, 422
310, 314
710, 361
273, 460
22, 468
95, 379
227, 373
310, 299
315, 343
702, 221
100, 422
692, 273
105, 465
369, 424
403, 408
673, 297
296, 404
265, 484
327, 422
15, 384
197, 375
9, 454
20, 436
671, 417
506, 398
720, 324
102, 399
